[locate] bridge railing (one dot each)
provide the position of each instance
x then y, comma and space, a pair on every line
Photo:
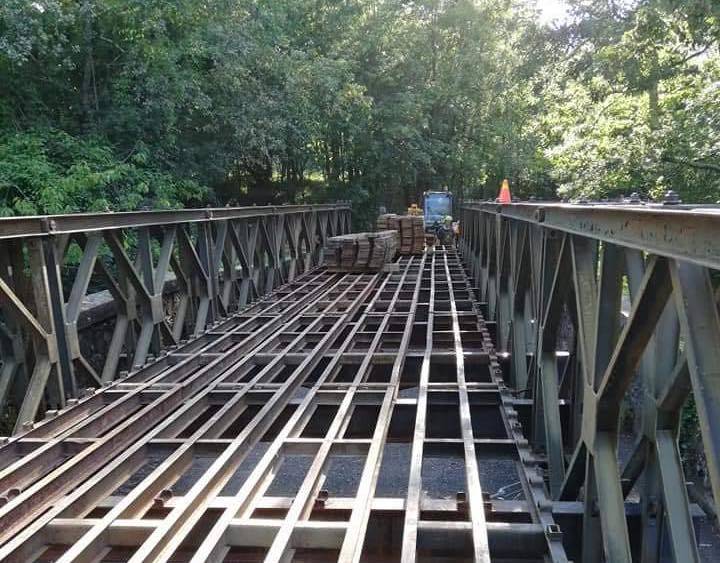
216, 259
600, 306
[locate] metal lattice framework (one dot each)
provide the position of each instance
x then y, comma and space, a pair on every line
217, 261
554, 277
349, 417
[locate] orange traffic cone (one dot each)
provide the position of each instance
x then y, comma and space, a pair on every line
504, 195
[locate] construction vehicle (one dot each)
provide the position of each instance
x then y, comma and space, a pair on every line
437, 209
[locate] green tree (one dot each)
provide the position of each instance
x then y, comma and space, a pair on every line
627, 113
375, 101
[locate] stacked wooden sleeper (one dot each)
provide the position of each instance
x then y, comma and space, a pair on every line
411, 229
361, 252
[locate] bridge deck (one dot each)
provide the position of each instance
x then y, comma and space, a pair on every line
343, 417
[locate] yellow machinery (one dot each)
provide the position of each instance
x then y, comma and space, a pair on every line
414, 210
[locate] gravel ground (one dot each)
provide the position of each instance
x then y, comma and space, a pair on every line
443, 475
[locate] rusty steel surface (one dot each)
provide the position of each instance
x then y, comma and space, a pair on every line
607, 314
348, 417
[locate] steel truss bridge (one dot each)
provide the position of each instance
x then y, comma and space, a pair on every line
248, 405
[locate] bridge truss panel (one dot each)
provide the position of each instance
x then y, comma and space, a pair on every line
167, 276
597, 307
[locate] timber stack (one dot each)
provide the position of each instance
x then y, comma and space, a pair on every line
386, 222
361, 252
410, 228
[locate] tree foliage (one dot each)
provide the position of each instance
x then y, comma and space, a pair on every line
123, 104
49, 171
634, 108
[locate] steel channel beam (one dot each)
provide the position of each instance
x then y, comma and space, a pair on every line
687, 234
354, 538
481, 549
11, 227
412, 508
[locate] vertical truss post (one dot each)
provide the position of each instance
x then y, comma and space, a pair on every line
44, 341
14, 371
521, 320
53, 263
504, 286
206, 253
